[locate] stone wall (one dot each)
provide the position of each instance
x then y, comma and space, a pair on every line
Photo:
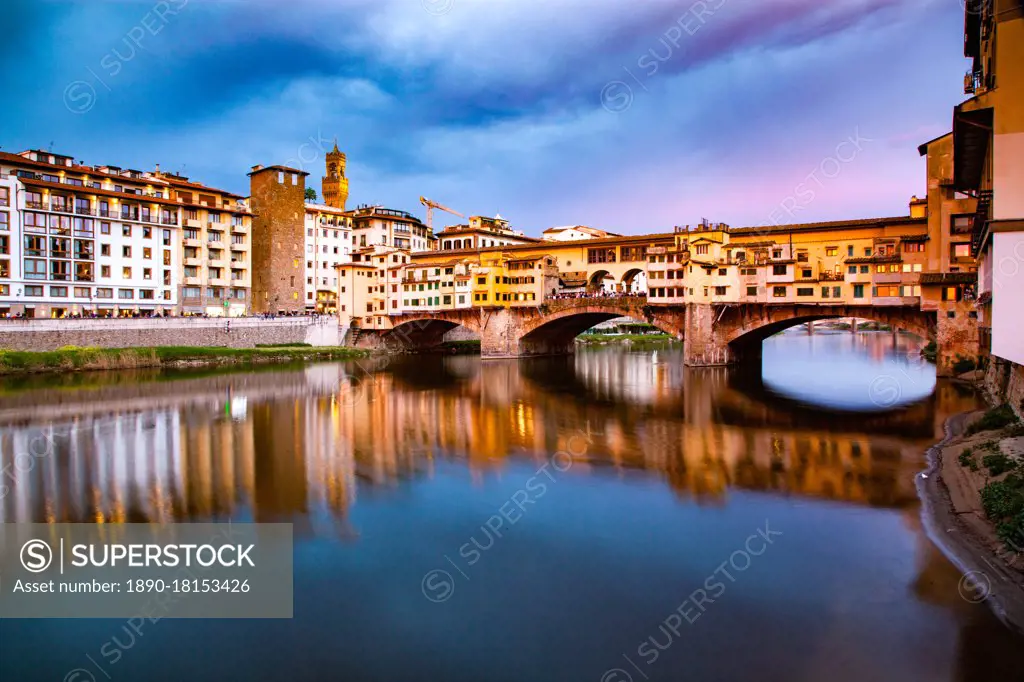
1004, 381
42, 335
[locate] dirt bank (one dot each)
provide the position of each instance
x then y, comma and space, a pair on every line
955, 519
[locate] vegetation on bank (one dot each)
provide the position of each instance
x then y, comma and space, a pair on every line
660, 337
1002, 497
74, 358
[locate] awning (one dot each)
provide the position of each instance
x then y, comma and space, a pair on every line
972, 133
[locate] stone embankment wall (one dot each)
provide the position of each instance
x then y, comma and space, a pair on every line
43, 335
1004, 381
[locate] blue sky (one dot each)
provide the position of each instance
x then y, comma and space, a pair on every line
632, 115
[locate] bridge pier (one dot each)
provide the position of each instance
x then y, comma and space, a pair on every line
703, 340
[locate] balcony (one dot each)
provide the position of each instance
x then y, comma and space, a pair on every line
218, 227
192, 241
240, 229
34, 204
240, 247
85, 210
831, 277
194, 261
192, 222
194, 280
59, 207
173, 220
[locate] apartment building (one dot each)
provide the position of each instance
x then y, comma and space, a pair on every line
568, 233
481, 232
370, 287
514, 281
328, 245
436, 286
108, 241
378, 226
988, 166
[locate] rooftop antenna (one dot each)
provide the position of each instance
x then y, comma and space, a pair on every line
50, 148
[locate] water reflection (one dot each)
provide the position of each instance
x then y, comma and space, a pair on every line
294, 443
404, 463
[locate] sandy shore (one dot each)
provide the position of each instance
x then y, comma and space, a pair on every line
955, 521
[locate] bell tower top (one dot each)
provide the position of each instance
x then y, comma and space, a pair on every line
335, 185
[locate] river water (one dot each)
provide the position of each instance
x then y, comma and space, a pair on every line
605, 517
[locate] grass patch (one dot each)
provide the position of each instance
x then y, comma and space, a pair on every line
994, 419
284, 345
71, 359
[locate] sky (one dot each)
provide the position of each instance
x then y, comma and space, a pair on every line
629, 115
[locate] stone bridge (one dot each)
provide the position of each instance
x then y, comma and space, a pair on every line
712, 334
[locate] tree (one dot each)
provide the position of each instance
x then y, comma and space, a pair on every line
310, 194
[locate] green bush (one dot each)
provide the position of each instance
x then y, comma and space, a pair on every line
930, 351
966, 458
998, 464
1011, 532
996, 418
1003, 499
963, 364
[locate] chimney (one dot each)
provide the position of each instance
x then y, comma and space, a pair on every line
158, 169
257, 167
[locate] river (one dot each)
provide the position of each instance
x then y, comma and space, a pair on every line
606, 517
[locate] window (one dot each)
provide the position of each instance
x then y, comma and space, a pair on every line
104, 271
125, 294
59, 291
720, 291
126, 230
864, 269
951, 294
804, 291
887, 290
126, 251
960, 224
867, 250
33, 290
779, 270
5, 220
852, 269
858, 291
751, 291
824, 292
104, 228
104, 292
5, 196
913, 247
601, 255
35, 269
837, 292
806, 273
960, 250
779, 292
82, 292
702, 249
722, 272
831, 250
126, 273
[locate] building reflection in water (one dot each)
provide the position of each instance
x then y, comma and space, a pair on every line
299, 444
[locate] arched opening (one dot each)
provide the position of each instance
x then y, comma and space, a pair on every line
836, 368
634, 282
428, 334
601, 283
558, 335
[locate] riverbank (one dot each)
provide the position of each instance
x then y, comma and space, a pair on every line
76, 359
602, 339
973, 499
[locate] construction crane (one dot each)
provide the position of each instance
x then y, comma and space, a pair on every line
431, 205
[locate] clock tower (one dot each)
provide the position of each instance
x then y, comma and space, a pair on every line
335, 185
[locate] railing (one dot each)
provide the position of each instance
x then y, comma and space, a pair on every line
84, 210
34, 204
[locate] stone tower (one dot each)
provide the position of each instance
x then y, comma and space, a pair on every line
278, 239
335, 184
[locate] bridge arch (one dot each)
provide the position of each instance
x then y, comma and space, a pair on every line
425, 331
556, 331
744, 334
